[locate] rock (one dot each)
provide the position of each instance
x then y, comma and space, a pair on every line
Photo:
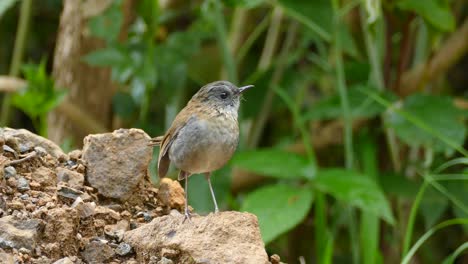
65, 260
85, 210
17, 233
165, 261
44, 176
106, 214
226, 237
22, 184
71, 193
97, 252
117, 162
9, 172
117, 231
275, 259
31, 140
61, 227
75, 154
123, 249
171, 193
71, 178
6, 258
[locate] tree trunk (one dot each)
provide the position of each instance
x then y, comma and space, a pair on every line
90, 88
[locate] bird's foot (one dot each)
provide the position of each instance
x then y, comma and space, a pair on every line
187, 216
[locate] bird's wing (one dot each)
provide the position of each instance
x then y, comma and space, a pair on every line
179, 122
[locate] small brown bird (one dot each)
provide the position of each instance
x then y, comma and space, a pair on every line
203, 136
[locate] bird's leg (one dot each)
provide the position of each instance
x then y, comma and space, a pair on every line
186, 210
208, 178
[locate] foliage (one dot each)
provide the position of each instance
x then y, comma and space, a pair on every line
350, 147
39, 96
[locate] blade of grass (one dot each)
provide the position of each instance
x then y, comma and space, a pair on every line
347, 119
18, 51
429, 233
370, 226
450, 163
412, 217
451, 259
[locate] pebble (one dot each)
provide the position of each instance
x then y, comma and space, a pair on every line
10, 171
23, 148
123, 249
24, 196
22, 184
165, 261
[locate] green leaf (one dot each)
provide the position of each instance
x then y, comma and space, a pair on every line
433, 206
437, 112
459, 189
244, 3
356, 189
399, 185
5, 5
274, 163
435, 12
107, 24
40, 95
110, 56
316, 15
361, 106
279, 208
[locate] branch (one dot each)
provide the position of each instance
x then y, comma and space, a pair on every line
451, 51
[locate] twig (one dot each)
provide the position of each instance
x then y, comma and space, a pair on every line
450, 52
27, 157
10, 84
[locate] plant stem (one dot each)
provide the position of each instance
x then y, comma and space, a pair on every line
377, 79
429, 233
341, 83
18, 51
265, 61
221, 35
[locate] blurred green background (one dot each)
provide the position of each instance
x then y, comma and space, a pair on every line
352, 141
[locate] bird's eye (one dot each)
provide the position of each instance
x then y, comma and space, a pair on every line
223, 95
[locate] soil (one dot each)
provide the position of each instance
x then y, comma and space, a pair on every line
50, 213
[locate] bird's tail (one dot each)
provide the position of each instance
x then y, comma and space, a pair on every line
156, 141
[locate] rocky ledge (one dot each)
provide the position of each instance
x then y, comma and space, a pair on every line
97, 205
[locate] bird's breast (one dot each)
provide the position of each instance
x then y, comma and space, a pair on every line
205, 144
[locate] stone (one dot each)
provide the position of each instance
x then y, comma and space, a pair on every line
65, 260
75, 154
117, 162
226, 237
61, 227
6, 258
9, 172
85, 210
164, 260
71, 193
171, 193
31, 140
97, 252
44, 176
22, 184
18, 233
123, 249
117, 231
275, 259
71, 178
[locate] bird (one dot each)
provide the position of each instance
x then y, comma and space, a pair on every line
203, 136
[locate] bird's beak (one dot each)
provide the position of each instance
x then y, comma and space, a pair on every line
243, 88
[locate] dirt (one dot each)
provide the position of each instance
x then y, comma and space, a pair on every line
51, 213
